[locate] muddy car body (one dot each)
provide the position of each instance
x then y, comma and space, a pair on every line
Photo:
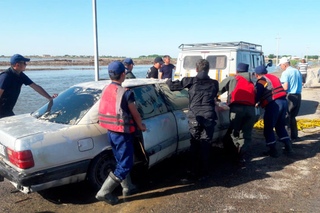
62, 142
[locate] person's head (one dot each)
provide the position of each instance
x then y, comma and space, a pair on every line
284, 63
202, 65
242, 67
18, 62
157, 63
166, 59
116, 71
260, 71
303, 61
128, 63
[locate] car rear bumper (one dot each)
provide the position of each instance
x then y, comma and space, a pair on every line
37, 181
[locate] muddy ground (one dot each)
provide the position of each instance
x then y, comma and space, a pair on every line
284, 184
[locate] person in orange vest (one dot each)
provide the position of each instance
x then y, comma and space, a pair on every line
272, 97
118, 114
241, 100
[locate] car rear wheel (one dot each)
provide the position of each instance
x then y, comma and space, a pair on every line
100, 168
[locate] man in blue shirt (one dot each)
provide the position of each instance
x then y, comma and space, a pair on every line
128, 63
167, 68
11, 81
291, 80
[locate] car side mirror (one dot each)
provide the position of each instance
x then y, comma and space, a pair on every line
269, 64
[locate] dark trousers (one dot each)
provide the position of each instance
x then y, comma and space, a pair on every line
242, 119
201, 131
275, 117
294, 102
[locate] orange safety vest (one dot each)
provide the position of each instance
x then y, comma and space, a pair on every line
243, 92
273, 89
111, 115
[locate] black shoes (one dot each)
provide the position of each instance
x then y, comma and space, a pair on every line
273, 152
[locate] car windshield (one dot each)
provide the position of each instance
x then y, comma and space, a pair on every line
70, 106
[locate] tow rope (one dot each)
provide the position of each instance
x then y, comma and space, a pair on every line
301, 123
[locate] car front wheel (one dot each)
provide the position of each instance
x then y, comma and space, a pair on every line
100, 168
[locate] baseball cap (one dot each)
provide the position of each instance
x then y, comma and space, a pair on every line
242, 67
283, 60
116, 67
261, 70
128, 61
18, 58
158, 60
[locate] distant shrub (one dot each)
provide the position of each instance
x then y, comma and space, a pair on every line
294, 63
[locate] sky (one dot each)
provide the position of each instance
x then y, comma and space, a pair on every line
132, 28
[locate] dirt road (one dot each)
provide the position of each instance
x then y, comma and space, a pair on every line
285, 184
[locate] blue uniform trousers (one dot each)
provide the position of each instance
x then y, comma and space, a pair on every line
122, 147
275, 117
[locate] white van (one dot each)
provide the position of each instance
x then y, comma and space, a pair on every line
223, 58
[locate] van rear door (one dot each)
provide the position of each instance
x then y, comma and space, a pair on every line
219, 64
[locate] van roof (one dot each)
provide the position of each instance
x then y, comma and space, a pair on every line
222, 45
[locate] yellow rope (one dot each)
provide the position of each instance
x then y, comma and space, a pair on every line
301, 123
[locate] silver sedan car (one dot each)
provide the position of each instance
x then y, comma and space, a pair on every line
63, 143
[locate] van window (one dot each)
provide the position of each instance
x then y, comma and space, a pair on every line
217, 61
189, 62
256, 60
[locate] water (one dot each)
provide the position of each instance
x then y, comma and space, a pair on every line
55, 81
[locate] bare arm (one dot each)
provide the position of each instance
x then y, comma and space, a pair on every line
160, 75
41, 91
136, 116
285, 86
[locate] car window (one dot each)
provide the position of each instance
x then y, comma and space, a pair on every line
177, 100
148, 101
70, 106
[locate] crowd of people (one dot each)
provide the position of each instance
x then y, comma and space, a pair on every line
279, 97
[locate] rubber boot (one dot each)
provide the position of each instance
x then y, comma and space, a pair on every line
288, 147
273, 152
127, 187
105, 193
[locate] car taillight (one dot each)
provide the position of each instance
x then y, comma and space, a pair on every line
22, 159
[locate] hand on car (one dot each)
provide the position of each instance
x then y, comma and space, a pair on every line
143, 127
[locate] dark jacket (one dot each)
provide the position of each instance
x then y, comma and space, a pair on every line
202, 94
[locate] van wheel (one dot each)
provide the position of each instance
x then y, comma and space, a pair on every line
99, 169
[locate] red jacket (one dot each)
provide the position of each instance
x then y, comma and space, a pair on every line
273, 89
243, 93
111, 115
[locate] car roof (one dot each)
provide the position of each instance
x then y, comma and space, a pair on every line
127, 83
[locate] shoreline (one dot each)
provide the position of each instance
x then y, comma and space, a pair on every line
81, 61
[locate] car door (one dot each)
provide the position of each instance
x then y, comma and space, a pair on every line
160, 138
178, 103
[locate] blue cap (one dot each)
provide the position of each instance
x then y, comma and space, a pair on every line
116, 67
158, 60
242, 67
261, 70
18, 58
128, 61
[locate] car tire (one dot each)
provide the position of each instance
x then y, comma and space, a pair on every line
99, 169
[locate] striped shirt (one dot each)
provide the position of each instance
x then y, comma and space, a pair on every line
303, 68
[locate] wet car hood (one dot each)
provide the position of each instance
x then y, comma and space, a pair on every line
24, 125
